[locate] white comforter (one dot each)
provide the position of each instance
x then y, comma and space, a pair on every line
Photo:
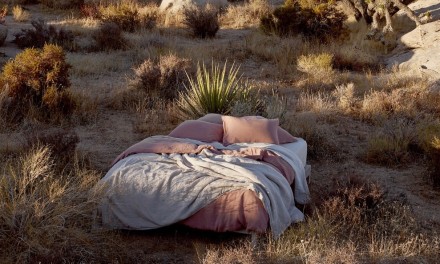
148, 191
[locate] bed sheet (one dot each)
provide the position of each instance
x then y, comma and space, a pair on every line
298, 147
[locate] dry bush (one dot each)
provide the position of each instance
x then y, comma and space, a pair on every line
391, 146
428, 133
38, 79
3, 13
246, 14
202, 21
90, 11
129, 15
20, 14
378, 106
319, 140
317, 65
46, 216
313, 19
164, 78
154, 116
62, 143
242, 253
320, 103
42, 34
353, 222
283, 52
345, 99
109, 37
63, 4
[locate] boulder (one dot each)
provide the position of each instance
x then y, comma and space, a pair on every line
3, 34
174, 6
419, 51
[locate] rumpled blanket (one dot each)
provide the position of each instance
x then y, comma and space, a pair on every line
147, 190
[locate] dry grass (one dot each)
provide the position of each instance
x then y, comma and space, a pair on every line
20, 14
47, 216
245, 14
347, 108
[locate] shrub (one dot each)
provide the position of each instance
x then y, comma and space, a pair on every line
90, 11
392, 145
42, 211
429, 142
319, 65
109, 37
39, 78
61, 142
63, 4
3, 13
20, 14
213, 91
320, 21
124, 14
164, 79
43, 34
203, 22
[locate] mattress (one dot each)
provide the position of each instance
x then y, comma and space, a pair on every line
298, 147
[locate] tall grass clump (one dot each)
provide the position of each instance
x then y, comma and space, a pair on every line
312, 19
37, 82
20, 14
202, 21
47, 216
391, 146
108, 36
213, 91
429, 141
246, 14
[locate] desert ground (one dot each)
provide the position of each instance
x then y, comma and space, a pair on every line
370, 126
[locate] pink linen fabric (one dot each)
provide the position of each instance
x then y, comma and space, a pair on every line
212, 118
283, 136
243, 130
198, 130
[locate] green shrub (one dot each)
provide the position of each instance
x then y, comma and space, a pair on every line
109, 37
43, 34
203, 22
320, 21
213, 91
39, 78
165, 78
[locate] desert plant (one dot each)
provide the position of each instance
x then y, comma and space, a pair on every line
124, 14
90, 11
318, 65
39, 78
20, 14
43, 34
3, 13
213, 91
392, 145
63, 4
109, 36
246, 14
320, 21
43, 210
165, 78
202, 21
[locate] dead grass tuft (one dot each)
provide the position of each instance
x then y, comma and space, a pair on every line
20, 14
245, 14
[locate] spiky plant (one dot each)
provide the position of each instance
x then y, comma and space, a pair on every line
212, 91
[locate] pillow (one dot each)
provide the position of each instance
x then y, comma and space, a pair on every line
244, 130
198, 130
212, 118
283, 136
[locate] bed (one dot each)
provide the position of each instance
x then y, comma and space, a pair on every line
246, 186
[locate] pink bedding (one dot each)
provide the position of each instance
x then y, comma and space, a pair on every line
239, 210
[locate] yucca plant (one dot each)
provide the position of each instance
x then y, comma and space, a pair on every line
213, 91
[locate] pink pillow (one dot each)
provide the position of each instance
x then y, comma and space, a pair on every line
283, 136
244, 130
212, 118
198, 130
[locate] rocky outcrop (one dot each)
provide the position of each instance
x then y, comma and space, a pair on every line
3, 34
178, 5
419, 51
